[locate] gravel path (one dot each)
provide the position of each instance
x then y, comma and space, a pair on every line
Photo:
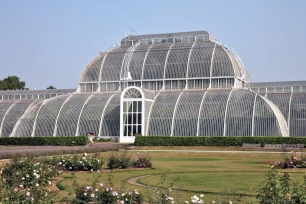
11, 151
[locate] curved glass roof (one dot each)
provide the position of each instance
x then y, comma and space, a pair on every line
196, 59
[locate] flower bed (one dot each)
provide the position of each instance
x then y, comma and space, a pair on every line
293, 160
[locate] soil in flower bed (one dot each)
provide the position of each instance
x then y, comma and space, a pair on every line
8, 152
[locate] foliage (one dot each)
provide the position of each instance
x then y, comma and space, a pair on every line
142, 160
96, 139
293, 160
83, 162
281, 190
33, 141
50, 87
215, 141
12, 83
116, 161
105, 195
25, 181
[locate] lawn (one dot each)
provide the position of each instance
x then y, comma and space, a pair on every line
188, 173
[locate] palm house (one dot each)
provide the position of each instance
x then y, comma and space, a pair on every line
172, 84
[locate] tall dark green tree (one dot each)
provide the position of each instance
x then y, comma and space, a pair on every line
12, 83
51, 87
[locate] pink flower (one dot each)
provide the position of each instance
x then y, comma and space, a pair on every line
16, 189
28, 193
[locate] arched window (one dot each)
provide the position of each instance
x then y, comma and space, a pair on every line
132, 112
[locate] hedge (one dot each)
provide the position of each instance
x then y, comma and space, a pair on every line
215, 141
44, 141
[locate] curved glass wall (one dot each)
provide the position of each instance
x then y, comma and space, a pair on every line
212, 113
24, 126
15, 111
69, 114
186, 114
160, 121
91, 115
45, 122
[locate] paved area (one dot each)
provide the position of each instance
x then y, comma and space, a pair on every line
215, 151
11, 151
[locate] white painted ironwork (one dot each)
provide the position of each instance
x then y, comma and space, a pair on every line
144, 62
211, 65
253, 115
77, 130
174, 112
35, 121
198, 126
126, 70
289, 113
188, 64
150, 112
5, 116
165, 65
225, 116
56, 121
103, 113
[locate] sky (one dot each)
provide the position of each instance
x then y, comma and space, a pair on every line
50, 42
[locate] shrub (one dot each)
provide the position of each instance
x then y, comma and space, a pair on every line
103, 194
96, 139
142, 160
83, 162
116, 161
293, 160
281, 190
214, 141
34, 141
24, 181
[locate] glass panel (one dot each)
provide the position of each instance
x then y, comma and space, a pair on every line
288, 89
134, 106
164, 40
11, 97
29, 96
139, 119
130, 121
134, 118
139, 129
184, 39
156, 41
279, 89
17, 97
199, 38
169, 40
296, 89
139, 106
150, 42
128, 43
143, 42
178, 40
134, 129
191, 39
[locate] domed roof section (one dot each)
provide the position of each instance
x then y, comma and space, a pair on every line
166, 56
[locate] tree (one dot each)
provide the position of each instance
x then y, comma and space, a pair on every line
51, 87
12, 83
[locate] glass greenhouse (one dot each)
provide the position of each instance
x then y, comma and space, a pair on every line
173, 84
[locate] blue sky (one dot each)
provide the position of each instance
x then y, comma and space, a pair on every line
50, 42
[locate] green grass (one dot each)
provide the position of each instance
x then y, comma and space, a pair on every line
190, 173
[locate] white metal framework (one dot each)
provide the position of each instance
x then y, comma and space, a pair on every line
175, 84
